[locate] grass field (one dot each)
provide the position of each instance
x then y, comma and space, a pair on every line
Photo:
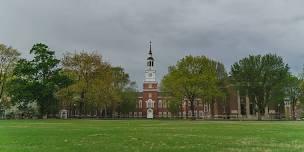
145, 135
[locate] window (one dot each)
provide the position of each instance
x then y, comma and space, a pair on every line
150, 104
160, 104
200, 104
206, 108
164, 104
150, 95
140, 104
251, 107
201, 113
150, 85
164, 114
169, 114
150, 63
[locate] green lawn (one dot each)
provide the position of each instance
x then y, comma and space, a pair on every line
145, 135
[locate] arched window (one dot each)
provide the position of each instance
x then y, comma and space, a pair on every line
140, 104
150, 104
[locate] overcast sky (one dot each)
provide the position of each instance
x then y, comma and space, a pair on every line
225, 30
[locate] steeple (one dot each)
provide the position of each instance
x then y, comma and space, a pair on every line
150, 51
150, 59
150, 71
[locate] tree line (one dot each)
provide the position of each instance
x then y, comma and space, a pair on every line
82, 82
265, 79
87, 85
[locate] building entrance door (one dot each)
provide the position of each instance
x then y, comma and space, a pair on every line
149, 113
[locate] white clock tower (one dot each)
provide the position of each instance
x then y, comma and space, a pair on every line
150, 70
150, 92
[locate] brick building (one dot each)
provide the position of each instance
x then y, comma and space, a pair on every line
151, 103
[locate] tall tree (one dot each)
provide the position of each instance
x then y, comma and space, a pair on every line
192, 78
125, 89
84, 68
301, 89
260, 76
292, 90
103, 94
37, 80
128, 99
8, 59
222, 84
98, 84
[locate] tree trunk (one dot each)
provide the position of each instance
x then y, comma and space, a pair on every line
259, 115
81, 104
294, 110
212, 109
192, 109
105, 111
197, 111
260, 111
187, 109
41, 112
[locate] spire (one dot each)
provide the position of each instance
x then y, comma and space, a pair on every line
150, 51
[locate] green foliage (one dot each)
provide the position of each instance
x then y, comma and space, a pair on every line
301, 87
8, 59
97, 84
262, 77
128, 100
192, 78
174, 105
37, 80
84, 69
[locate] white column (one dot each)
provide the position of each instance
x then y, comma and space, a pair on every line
266, 112
239, 103
247, 107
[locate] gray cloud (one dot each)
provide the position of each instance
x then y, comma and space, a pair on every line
120, 30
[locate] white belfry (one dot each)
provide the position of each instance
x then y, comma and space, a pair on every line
150, 70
